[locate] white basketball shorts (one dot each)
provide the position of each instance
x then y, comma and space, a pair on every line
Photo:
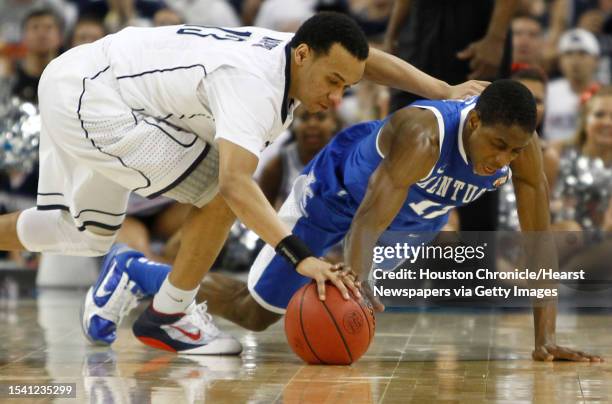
95, 150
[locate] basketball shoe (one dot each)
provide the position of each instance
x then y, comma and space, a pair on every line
112, 297
192, 332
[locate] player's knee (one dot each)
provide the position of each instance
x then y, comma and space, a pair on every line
55, 232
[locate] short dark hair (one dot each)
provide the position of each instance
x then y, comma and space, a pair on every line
43, 12
324, 29
508, 103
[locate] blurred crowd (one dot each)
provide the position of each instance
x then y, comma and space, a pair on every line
560, 49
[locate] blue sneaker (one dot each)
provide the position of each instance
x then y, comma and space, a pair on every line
191, 333
112, 297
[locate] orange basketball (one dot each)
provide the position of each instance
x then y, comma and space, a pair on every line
330, 332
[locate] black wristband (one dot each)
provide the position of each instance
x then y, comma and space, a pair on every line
293, 250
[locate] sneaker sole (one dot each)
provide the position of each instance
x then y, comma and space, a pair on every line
228, 347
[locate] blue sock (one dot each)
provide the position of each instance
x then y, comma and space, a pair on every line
148, 275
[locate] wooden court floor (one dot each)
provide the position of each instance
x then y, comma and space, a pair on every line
417, 357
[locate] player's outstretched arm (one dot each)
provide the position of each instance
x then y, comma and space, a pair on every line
531, 189
249, 204
408, 141
388, 70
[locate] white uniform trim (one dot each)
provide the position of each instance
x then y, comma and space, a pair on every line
464, 113
440, 130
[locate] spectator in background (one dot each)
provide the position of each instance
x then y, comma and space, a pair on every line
13, 13
217, 13
372, 16
166, 16
578, 204
580, 174
42, 37
118, 14
312, 132
578, 62
283, 15
534, 78
86, 30
527, 40
364, 102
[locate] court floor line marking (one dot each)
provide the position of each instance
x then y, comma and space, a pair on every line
399, 360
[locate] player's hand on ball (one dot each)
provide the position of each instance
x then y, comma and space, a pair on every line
349, 278
552, 352
322, 271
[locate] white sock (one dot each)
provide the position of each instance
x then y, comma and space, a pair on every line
170, 299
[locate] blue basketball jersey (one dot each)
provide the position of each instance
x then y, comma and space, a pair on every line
338, 176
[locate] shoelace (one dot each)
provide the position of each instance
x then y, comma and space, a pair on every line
122, 302
202, 319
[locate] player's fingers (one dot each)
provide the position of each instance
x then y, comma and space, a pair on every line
481, 84
341, 287
348, 272
476, 88
321, 287
369, 295
348, 281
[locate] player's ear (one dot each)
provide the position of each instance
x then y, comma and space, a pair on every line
301, 53
473, 119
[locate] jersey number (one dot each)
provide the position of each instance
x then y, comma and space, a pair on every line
422, 206
222, 34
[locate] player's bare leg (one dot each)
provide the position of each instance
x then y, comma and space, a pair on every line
9, 241
230, 298
173, 322
202, 237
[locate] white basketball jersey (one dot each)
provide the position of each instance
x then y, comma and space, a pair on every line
215, 82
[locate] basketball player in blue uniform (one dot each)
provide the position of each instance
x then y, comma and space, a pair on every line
401, 175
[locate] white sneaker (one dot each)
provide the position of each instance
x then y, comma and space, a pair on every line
191, 333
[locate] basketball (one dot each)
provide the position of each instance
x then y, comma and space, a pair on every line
330, 332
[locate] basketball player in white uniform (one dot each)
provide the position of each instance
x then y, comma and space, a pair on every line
184, 111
